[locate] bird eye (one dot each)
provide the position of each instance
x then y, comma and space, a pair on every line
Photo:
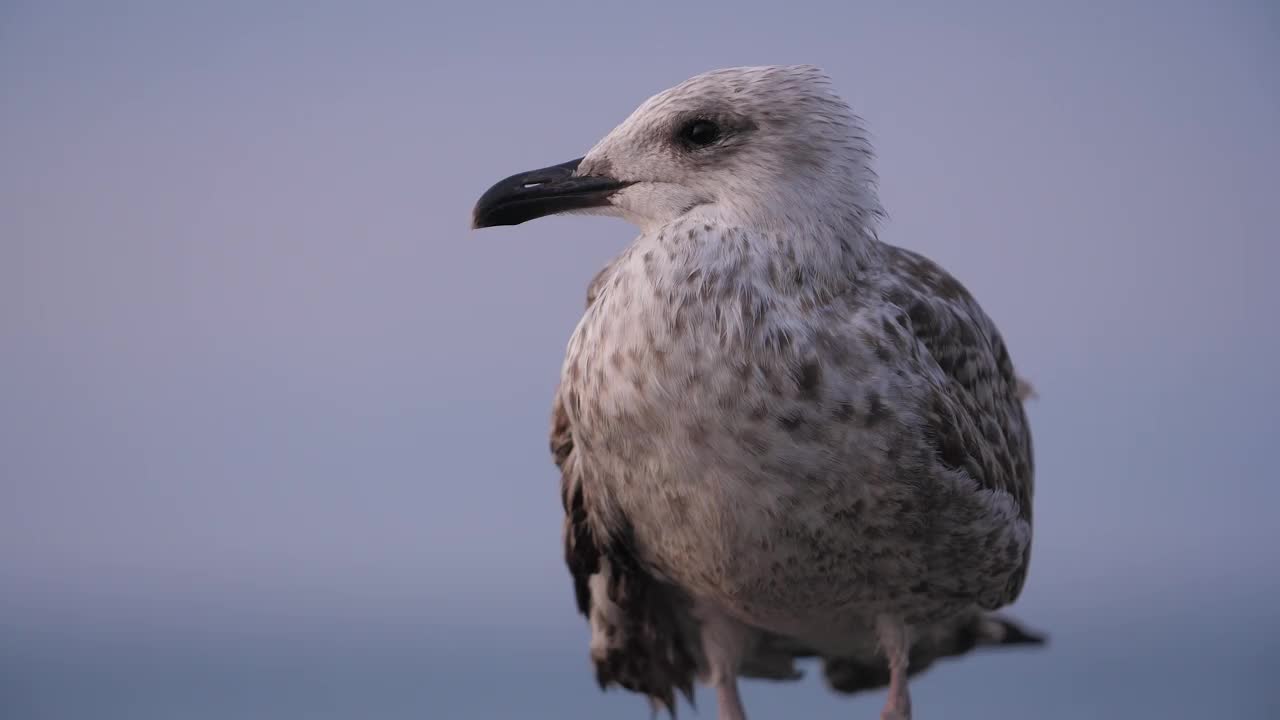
700, 133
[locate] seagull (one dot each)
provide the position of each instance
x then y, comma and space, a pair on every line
778, 436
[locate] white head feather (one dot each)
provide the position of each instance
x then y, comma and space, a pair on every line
788, 153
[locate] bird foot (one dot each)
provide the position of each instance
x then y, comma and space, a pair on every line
894, 715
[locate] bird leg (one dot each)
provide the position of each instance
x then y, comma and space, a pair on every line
728, 701
896, 645
724, 644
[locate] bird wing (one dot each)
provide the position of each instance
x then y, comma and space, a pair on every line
974, 414
643, 636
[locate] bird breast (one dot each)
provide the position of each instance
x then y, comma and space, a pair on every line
709, 415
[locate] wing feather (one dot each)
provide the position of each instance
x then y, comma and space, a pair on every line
975, 416
640, 626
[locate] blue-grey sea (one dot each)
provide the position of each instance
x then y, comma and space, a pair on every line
1173, 667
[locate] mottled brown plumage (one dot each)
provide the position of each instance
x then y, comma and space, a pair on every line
658, 654
778, 436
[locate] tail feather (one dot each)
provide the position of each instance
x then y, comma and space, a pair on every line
857, 674
1025, 390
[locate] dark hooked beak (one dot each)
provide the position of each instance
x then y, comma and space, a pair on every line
529, 195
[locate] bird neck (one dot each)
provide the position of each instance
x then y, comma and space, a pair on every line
787, 256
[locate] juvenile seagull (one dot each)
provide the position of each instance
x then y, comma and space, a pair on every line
779, 437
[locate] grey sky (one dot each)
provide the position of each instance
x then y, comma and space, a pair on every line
256, 368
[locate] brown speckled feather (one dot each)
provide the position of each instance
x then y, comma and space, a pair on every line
651, 646
640, 625
778, 436
976, 417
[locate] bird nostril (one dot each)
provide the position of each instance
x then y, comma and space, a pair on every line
534, 184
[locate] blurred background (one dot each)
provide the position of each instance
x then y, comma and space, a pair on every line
273, 420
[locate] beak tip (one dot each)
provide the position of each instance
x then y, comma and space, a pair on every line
537, 193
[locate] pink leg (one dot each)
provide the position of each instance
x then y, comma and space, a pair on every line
723, 640
728, 701
895, 642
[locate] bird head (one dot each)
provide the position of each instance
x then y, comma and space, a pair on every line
754, 146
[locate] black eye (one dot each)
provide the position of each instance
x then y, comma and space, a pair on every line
700, 133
